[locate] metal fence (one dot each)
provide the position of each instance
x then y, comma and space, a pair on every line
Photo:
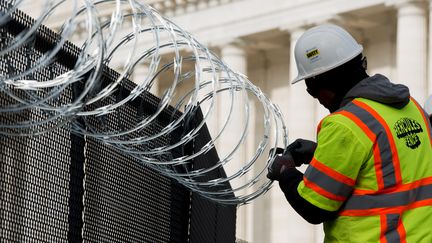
63, 186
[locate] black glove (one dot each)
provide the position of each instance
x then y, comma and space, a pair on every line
280, 164
276, 150
302, 151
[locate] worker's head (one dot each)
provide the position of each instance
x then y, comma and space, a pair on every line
330, 61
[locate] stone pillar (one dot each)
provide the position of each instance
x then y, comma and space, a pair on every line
262, 224
234, 55
411, 47
301, 124
298, 109
302, 106
140, 73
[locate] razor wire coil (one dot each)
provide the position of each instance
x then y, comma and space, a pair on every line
137, 35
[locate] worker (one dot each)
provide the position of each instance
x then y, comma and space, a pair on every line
369, 175
428, 107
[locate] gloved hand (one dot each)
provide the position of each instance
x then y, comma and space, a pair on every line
302, 151
280, 164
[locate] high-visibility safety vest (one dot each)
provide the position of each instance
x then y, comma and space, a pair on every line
373, 165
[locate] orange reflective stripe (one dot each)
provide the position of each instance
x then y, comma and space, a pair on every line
332, 173
383, 229
359, 123
402, 232
396, 163
316, 188
425, 119
372, 137
377, 166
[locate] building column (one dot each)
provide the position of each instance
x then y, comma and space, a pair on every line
139, 75
298, 109
234, 55
411, 50
301, 124
302, 106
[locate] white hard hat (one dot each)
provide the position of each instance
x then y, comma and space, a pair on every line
323, 48
428, 106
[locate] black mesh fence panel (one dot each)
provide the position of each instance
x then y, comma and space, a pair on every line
210, 222
124, 201
34, 188
62, 186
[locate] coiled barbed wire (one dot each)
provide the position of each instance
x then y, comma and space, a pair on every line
198, 78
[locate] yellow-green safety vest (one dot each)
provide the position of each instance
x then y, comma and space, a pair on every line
373, 165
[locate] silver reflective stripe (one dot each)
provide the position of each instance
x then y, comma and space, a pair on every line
391, 234
327, 183
387, 167
364, 202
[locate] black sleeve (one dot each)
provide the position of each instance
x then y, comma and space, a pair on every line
311, 213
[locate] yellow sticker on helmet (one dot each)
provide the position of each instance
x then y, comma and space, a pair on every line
312, 53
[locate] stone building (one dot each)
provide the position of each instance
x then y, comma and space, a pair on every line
257, 37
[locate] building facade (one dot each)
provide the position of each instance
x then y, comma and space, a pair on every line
257, 38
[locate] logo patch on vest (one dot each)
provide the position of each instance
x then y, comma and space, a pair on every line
408, 129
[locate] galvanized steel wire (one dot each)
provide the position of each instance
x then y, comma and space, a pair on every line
146, 36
